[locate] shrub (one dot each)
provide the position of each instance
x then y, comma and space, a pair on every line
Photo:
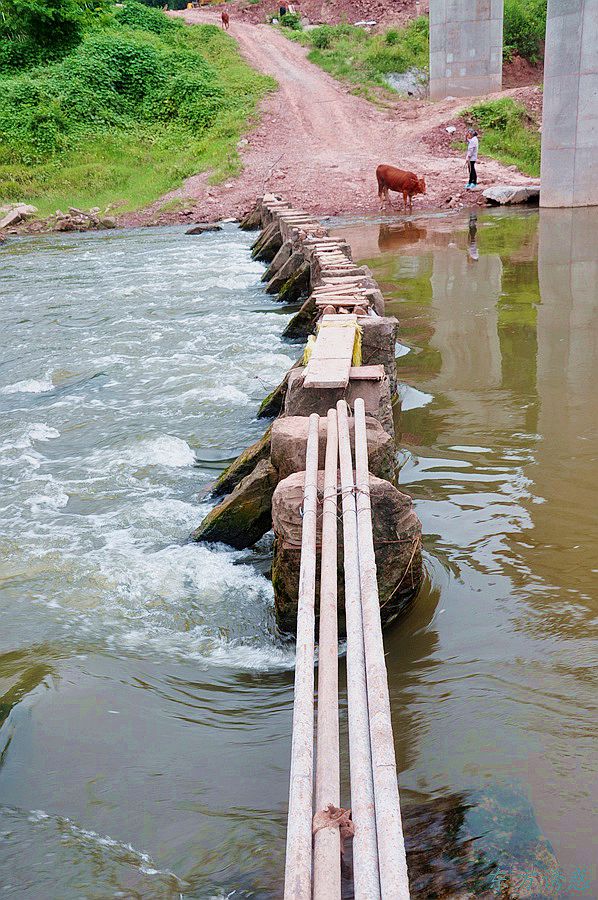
321, 37
292, 21
524, 28
136, 15
409, 49
32, 31
192, 99
117, 78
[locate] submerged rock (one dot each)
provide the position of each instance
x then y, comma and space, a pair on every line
289, 444
243, 465
203, 227
397, 540
296, 285
271, 406
246, 514
253, 219
303, 322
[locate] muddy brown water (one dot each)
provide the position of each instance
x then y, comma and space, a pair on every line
145, 697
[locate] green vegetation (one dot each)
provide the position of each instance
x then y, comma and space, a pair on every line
137, 104
507, 133
292, 21
351, 54
524, 28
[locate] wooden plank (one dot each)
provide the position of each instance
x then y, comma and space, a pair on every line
327, 856
327, 373
341, 301
298, 865
330, 362
334, 343
366, 373
351, 290
394, 881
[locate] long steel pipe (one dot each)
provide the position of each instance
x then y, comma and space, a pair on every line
365, 850
327, 861
394, 882
297, 882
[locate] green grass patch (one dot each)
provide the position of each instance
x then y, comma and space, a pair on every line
507, 133
352, 54
140, 104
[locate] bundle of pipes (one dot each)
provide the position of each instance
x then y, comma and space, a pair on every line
314, 842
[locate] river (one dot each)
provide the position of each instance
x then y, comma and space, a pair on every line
145, 696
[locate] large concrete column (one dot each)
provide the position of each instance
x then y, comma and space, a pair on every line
465, 47
569, 174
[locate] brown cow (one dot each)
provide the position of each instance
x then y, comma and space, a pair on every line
406, 183
225, 20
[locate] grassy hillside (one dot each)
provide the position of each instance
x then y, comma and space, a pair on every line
507, 134
124, 109
352, 54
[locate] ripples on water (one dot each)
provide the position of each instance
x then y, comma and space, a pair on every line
492, 674
144, 695
126, 358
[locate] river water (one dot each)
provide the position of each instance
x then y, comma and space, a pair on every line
145, 697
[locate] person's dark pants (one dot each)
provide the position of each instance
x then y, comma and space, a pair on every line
473, 175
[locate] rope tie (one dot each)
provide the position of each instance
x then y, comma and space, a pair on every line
335, 817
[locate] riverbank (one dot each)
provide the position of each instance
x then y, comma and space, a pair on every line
319, 145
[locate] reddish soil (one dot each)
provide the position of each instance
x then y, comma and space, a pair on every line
520, 72
331, 12
319, 145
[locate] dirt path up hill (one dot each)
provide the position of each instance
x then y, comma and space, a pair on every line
319, 145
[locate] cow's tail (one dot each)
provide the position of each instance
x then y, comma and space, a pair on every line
380, 180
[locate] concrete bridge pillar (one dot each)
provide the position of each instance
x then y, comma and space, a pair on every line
569, 169
465, 47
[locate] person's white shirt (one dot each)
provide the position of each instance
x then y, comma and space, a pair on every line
472, 149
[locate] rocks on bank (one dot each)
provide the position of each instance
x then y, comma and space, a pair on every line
15, 213
19, 218
508, 194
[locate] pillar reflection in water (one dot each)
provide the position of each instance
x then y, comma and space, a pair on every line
565, 525
465, 320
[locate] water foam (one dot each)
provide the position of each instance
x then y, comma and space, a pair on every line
30, 386
164, 450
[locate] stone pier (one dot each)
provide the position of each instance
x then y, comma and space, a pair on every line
350, 356
569, 173
465, 47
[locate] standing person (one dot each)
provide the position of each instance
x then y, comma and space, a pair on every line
472, 157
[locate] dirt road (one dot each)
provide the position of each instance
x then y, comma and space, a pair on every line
319, 145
